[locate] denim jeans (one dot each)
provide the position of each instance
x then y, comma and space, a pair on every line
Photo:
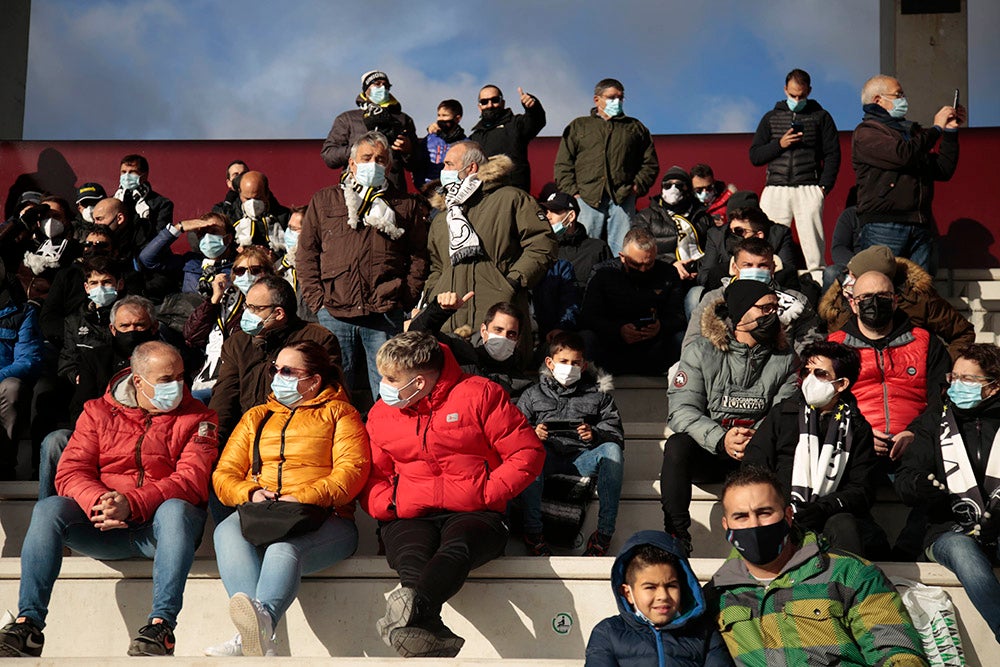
368, 332
618, 218
58, 521
605, 460
272, 574
962, 555
52, 448
914, 242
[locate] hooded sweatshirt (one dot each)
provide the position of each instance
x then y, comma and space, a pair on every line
630, 639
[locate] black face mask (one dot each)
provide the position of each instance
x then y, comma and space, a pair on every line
760, 545
492, 115
767, 329
876, 311
445, 126
125, 342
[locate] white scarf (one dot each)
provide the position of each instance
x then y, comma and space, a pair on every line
46, 257
818, 468
463, 242
688, 244
139, 197
369, 207
967, 503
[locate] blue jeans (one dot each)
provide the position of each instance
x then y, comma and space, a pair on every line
52, 448
368, 332
618, 218
606, 460
962, 555
913, 242
58, 521
692, 299
272, 574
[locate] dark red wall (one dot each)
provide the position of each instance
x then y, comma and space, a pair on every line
192, 174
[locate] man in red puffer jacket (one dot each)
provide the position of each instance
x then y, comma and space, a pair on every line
136, 470
449, 450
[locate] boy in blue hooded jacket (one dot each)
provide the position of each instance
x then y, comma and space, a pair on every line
661, 611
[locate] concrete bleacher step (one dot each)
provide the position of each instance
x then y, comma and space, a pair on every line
512, 609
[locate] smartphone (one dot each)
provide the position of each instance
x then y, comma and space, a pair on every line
797, 126
644, 322
955, 101
562, 427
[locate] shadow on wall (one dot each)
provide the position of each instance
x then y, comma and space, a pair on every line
54, 176
967, 243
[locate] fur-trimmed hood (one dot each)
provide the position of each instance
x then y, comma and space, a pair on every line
719, 331
493, 174
912, 283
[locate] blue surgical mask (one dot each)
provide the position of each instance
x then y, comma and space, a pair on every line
705, 196
449, 176
212, 245
760, 275
245, 282
370, 174
251, 323
899, 107
291, 239
378, 94
286, 390
129, 181
795, 106
102, 295
559, 227
166, 395
613, 107
965, 395
390, 395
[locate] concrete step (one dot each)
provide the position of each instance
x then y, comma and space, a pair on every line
641, 399
514, 609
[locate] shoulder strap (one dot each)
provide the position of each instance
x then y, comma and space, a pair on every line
257, 463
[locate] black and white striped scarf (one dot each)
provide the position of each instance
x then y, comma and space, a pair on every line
818, 467
968, 504
463, 242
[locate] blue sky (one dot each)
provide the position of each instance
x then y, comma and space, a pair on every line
208, 69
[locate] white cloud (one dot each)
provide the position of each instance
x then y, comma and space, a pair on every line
727, 114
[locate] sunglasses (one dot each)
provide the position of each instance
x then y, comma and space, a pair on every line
820, 373
743, 232
254, 270
496, 99
96, 244
288, 371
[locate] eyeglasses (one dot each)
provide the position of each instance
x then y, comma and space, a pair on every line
896, 95
288, 371
970, 379
96, 244
254, 270
484, 101
873, 295
767, 308
256, 310
820, 373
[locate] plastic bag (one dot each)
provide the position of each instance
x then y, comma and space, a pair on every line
934, 617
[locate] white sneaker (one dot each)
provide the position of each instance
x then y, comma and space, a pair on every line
229, 649
254, 624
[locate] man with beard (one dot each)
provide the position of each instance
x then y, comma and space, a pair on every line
442, 134
501, 132
378, 111
727, 381
132, 322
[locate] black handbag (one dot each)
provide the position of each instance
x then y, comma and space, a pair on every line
275, 520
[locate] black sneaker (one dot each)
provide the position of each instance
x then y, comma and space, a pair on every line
537, 546
21, 640
153, 639
598, 544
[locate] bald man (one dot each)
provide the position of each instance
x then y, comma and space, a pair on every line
261, 219
136, 468
902, 366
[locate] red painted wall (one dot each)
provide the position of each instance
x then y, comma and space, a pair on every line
192, 173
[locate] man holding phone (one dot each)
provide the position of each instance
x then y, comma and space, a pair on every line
798, 142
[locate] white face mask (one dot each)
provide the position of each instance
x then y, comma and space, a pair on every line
818, 393
88, 214
253, 208
567, 374
52, 227
672, 195
500, 348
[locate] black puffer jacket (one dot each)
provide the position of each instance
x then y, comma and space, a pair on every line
510, 136
660, 222
588, 401
814, 160
583, 252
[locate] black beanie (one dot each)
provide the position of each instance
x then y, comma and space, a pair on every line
676, 173
742, 199
742, 295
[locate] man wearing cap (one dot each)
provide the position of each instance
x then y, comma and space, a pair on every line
915, 293
87, 196
502, 132
727, 380
575, 246
798, 142
378, 111
606, 160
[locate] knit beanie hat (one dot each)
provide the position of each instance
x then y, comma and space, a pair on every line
369, 77
676, 173
876, 258
742, 199
742, 295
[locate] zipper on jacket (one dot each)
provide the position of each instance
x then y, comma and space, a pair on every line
138, 453
885, 389
281, 452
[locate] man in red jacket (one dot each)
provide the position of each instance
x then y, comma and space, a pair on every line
136, 469
449, 450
